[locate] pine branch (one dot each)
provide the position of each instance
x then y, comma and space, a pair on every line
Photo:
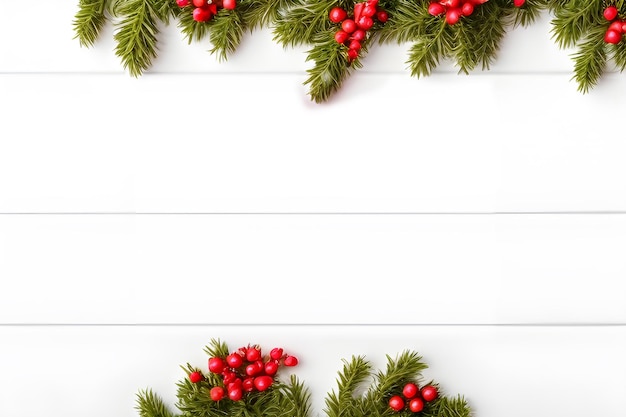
192, 30
294, 399
226, 32
216, 348
136, 35
590, 59
407, 23
344, 403
330, 67
618, 54
573, 19
89, 21
529, 12
148, 404
447, 407
262, 13
427, 51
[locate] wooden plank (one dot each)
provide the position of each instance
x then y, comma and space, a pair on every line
365, 269
49, 46
230, 143
502, 371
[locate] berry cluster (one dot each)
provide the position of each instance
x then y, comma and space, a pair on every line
413, 397
244, 371
455, 9
204, 10
617, 28
354, 28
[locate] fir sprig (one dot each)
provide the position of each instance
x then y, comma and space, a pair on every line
149, 404
89, 20
227, 29
590, 59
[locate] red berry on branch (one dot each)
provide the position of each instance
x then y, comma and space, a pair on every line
271, 367
365, 23
436, 9
368, 10
610, 13
276, 353
201, 14
253, 354
263, 382
429, 393
291, 361
195, 377
216, 393
416, 405
358, 35
348, 26
453, 4
352, 55
396, 403
616, 26
356, 45
228, 376
248, 384
519, 3
382, 16
340, 36
235, 394
199, 3
337, 14
252, 369
410, 390
216, 365
453, 16
613, 37
182, 3
234, 360
229, 4
467, 9
237, 383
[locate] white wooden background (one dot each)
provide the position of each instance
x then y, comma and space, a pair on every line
480, 220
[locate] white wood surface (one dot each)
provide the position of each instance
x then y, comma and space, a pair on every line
485, 214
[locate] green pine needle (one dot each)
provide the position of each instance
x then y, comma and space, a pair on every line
148, 404
89, 21
590, 60
227, 29
571, 20
136, 34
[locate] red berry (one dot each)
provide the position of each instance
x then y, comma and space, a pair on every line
453, 4
337, 14
253, 354
356, 45
348, 25
235, 394
352, 55
252, 369
199, 3
234, 360
229, 4
263, 382
612, 36
358, 8
216, 365
467, 9
396, 403
616, 26
365, 23
195, 377
271, 367
610, 13
416, 405
519, 3
358, 35
382, 16
340, 36
276, 353
237, 383
429, 393
248, 384
410, 390
368, 10
436, 9
201, 14
291, 361
182, 3
216, 393
453, 16
623, 27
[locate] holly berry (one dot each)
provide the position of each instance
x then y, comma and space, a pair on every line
216, 365
291, 361
195, 377
352, 54
182, 3
348, 26
610, 13
453, 16
396, 403
263, 382
382, 16
365, 22
276, 353
341, 36
235, 394
271, 367
337, 14
229, 4
410, 390
234, 360
467, 9
248, 384
429, 393
612, 36
519, 3
216, 393
199, 3
252, 369
200, 14
436, 9
416, 405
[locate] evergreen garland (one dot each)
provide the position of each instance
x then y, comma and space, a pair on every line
243, 383
585, 26
466, 32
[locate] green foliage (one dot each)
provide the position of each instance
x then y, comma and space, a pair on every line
151, 405
89, 21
